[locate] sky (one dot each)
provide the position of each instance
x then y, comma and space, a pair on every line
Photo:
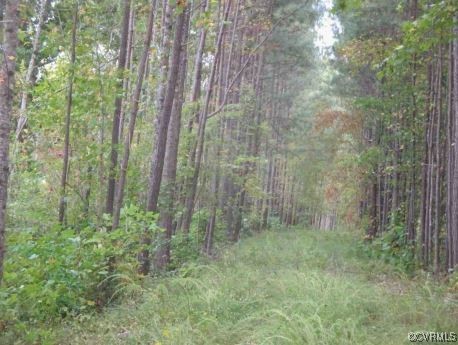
325, 28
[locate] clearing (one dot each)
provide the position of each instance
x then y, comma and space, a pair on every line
293, 287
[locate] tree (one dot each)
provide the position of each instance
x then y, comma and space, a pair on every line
452, 236
133, 116
190, 198
167, 212
9, 34
157, 160
408, 140
115, 131
68, 113
43, 4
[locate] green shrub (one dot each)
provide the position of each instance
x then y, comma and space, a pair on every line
54, 273
274, 223
187, 247
393, 248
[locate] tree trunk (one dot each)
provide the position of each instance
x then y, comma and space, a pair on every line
7, 73
451, 128
438, 167
127, 80
157, 161
171, 159
425, 174
65, 167
119, 195
210, 229
189, 207
122, 58
454, 231
164, 58
30, 69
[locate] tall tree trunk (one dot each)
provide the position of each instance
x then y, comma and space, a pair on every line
215, 183
122, 58
451, 128
157, 161
9, 36
128, 68
119, 195
210, 229
30, 69
266, 199
224, 75
412, 193
164, 57
197, 79
65, 167
194, 98
454, 231
171, 159
189, 207
438, 166
425, 172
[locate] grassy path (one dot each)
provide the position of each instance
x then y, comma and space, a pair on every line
298, 287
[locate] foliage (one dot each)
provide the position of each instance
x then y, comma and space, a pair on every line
392, 58
277, 288
187, 247
303, 136
184, 249
392, 248
54, 272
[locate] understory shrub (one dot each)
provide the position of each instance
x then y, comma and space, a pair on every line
56, 272
393, 248
187, 247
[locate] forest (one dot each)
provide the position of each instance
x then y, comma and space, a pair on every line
228, 172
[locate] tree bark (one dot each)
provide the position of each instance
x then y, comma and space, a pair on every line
171, 159
119, 195
454, 231
189, 207
157, 161
451, 154
438, 167
164, 57
7, 83
66, 158
31, 67
122, 58
128, 68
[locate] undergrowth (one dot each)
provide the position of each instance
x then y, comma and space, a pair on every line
293, 287
54, 273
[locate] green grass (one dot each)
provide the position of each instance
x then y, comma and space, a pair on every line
294, 287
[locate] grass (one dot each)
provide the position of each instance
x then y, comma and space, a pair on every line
295, 287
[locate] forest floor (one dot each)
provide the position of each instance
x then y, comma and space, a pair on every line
293, 287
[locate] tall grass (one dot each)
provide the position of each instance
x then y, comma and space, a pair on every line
295, 287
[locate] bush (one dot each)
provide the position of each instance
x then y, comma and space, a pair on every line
54, 273
274, 223
393, 248
187, 247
